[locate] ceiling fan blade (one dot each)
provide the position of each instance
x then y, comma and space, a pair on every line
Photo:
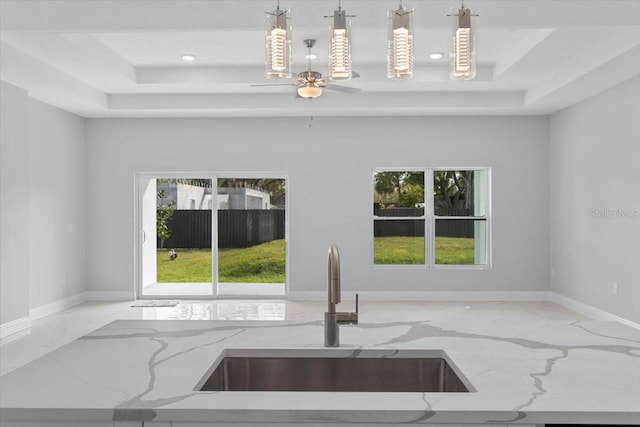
345, 89
274, 84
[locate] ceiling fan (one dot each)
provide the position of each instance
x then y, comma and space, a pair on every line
310, 83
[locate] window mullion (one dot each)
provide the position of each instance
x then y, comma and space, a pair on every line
477, 218
430, 226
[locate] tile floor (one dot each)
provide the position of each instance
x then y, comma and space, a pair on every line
257, 290
52, 332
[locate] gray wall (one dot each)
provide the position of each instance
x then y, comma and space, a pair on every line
14, 204
57, 181
42, 192
548, 174
595, 190
329, 165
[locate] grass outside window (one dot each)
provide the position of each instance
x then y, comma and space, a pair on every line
410, 250
265, 263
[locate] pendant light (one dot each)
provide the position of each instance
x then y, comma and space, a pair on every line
278, 44
400, 44
340, 45
463, 55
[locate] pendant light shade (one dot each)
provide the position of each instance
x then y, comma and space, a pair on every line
400, 44
340, 46
278, 44
463, 60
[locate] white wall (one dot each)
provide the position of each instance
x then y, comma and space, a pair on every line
14, 204
329, 165
42, 210
57, 199
589, 151
595, 166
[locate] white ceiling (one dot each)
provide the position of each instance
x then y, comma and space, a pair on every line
122, 58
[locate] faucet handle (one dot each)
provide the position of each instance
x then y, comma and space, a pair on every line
353, 317
347, 317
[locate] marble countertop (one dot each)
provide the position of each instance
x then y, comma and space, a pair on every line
523, 372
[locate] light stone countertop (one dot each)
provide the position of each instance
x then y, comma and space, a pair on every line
523, 372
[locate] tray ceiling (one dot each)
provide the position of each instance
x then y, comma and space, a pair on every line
123, 58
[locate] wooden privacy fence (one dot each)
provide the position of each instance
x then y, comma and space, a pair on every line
408, 227
236, 228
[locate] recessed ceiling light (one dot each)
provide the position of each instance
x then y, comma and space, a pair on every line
188, 57
311, 56
436, 55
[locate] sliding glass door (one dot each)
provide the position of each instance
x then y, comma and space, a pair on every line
251, 236
206, 236
175, 257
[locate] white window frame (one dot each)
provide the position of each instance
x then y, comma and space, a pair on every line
423, 217
430, 218
213, 176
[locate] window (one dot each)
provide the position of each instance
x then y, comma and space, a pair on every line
398, 212
460, 216
448, 226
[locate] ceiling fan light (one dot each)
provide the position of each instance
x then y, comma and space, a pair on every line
309, 91
400, 44
463, 55
278, 44
340, 47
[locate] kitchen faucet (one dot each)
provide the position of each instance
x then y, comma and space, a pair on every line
332, 319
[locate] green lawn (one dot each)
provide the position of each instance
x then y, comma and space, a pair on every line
410, 250
265, 263
398, 250
191, 266
454, 250
258, 264
262, 263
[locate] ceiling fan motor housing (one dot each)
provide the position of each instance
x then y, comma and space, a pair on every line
309, 76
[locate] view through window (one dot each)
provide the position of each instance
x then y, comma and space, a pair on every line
211, 236
447, 226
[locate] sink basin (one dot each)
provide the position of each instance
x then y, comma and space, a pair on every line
335, 371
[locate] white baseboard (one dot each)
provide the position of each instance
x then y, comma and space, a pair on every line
15, 326
19, 327
56, 306
426, 296
589, 311
110, 296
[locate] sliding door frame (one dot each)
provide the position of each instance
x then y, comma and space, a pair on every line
139, 232
258, 175
213, 176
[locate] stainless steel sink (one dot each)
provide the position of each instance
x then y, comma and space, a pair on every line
309, 370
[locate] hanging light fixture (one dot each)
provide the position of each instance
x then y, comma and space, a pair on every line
310, 81
278, 44
463, 55
340, 45
309, 90
400, 44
